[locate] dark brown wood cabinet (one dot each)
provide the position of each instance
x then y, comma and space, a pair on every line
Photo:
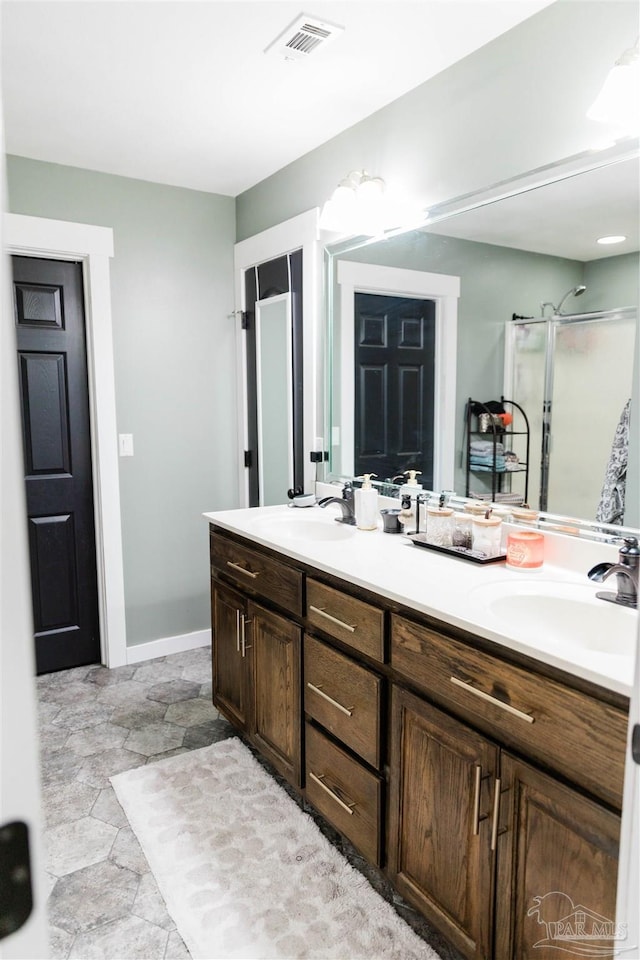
486, 787
557, 862
256, 656
230, 673
499, 855
441, 774
275, 650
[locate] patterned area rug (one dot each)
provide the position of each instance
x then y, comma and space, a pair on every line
245, 873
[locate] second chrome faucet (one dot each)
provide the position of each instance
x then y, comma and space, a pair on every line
626, 571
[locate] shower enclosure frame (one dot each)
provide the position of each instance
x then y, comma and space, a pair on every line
553, 324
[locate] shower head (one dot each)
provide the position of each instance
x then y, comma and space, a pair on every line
574, 292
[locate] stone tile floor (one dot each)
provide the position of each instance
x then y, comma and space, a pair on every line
103, 900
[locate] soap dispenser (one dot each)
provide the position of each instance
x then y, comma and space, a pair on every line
411, 488
367, 504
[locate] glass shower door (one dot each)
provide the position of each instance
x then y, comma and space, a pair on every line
529, 351
590, 383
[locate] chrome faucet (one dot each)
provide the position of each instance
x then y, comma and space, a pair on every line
626, 571
346, 504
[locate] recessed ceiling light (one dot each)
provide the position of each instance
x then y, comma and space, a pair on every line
610, 239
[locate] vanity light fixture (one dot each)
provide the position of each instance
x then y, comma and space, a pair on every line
355, 206
618, 102
607, 240
361, 206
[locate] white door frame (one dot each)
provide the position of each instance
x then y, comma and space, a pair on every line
93, 247
354, 277
300, 232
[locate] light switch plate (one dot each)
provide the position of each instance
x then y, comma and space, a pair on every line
125, 444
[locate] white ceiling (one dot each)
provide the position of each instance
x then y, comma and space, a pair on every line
182, 93
562, 219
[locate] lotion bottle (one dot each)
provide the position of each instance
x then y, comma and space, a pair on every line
366, 504
411, 488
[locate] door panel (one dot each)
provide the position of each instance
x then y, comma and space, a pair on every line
557, 869
49, 315
394, 385
439, 827
43, 380
276, 644
267, 280
230, 668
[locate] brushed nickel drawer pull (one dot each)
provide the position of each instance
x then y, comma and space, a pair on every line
247, 573
340, 623
347, 807
326, 696
496, 814
493, 700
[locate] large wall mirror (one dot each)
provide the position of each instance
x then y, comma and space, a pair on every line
521, 301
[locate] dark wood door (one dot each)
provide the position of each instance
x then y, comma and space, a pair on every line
276, 645
557, 870
394, 385
441, 788
229, 658
49, 316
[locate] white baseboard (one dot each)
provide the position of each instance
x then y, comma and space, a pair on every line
168, 645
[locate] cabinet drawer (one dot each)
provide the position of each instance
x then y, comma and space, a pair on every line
355, 622
344, 697
257, 573
571, 732
344, 792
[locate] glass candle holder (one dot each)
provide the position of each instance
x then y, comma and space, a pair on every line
486, 534
525, 549
439, 526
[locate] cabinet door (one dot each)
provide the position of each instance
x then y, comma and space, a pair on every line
230, 661
442, 778
557, 869
275, 649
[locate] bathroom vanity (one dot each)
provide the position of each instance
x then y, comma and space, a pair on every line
479, 767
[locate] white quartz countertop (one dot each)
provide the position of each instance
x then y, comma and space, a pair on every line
457, 591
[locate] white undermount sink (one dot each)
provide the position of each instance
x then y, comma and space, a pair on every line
560, 614
304, 524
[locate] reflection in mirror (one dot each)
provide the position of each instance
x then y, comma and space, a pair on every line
274, 395
561, 370
514, 249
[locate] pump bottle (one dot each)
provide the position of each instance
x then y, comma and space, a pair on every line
411, 488
366, 504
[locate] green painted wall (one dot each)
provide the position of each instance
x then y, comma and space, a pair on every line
174, 353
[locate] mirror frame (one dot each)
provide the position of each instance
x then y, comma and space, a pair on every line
625, 149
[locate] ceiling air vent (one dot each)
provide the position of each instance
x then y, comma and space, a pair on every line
306, 35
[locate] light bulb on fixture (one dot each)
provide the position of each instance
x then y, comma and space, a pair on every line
360, 205
618, 102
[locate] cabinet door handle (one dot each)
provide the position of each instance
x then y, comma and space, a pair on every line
244, 646
347, 807
326, 696
327, 616
493, 700
237, 631
496, 815
247, 573
476, 801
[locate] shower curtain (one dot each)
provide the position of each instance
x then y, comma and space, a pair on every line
611, 506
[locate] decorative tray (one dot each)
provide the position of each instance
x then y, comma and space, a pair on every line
475, 556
